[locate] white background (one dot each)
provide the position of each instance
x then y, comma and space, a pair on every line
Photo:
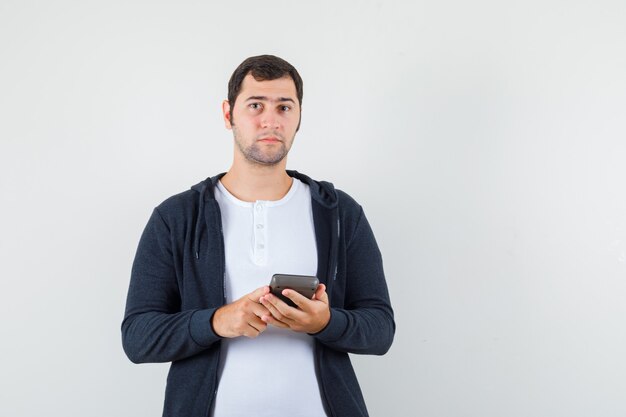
486, 141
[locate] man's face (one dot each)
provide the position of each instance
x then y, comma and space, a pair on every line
265, 119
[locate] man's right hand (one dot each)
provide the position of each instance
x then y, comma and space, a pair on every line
243, 316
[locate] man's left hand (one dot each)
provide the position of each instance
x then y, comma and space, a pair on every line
310, 316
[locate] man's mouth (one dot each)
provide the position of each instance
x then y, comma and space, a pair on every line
270, 139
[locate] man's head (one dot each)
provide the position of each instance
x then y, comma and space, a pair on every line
263, 68
263, 109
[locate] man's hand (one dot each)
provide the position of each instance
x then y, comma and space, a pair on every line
311, 316
243, 317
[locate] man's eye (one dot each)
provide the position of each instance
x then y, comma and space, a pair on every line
255, 106
285, 108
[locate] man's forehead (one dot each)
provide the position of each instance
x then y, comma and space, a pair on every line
283, 87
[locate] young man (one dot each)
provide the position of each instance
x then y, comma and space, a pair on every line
199, 294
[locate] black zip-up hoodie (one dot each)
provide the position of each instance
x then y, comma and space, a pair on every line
177, 283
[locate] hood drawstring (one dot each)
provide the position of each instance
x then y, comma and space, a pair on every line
199, 219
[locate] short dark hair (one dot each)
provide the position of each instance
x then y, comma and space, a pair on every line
262, 68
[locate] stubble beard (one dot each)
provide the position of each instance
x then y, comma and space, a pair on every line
255, 154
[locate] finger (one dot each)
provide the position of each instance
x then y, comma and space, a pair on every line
298, 299
271, 304
258, 293
280, 309
257, 324
251, 332
259, 310
269, 319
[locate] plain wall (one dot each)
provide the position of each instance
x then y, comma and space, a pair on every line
486, 141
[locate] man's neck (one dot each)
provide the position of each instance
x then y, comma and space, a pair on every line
256, 182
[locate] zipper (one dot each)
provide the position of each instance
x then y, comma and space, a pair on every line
223, 257
332, 266
223, 271
325, 401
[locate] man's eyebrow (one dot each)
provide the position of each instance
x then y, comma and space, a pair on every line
264, 98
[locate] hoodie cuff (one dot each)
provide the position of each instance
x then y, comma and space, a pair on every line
335, 328
200, 328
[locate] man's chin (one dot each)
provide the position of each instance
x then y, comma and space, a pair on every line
262, 158
265, 160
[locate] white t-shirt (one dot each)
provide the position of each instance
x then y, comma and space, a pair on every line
274, 373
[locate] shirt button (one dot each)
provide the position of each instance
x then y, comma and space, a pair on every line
259, 207
260, 246
259, 226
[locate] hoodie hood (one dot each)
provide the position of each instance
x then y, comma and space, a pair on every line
321, 191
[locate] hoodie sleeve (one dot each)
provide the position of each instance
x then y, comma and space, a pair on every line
154, 327
365, 325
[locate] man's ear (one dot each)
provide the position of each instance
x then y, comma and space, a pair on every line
227, 114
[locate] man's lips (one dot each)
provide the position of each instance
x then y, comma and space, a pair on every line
269, 139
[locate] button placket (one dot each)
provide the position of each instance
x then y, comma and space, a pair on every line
259, 232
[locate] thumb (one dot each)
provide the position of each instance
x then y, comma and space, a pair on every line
320, 293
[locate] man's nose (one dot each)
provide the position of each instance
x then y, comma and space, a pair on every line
270, 120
